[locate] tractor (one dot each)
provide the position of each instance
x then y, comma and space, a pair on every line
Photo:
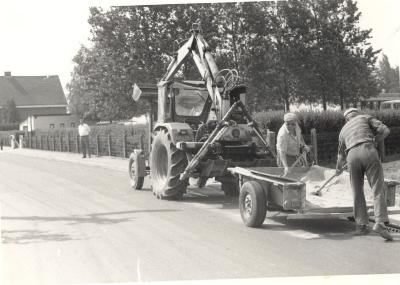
202, 128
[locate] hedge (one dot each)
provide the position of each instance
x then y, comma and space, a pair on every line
9, 127
102, 130
322, 121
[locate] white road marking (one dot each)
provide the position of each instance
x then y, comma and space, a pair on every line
302, 234
139, 277
236, 217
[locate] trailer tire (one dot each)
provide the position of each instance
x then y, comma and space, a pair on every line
166, 164
252, 204
136, 181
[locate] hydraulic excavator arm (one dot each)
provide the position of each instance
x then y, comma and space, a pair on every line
205, 63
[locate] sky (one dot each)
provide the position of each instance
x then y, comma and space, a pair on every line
40, 37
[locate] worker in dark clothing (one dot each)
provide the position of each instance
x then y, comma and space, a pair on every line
357, 145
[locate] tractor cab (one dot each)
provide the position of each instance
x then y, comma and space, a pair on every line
188, 102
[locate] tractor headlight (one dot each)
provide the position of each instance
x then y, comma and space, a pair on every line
236, 133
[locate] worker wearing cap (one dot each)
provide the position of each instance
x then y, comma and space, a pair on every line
290, 142
357, 145
84, 131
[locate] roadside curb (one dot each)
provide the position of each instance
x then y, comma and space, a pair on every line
115, 163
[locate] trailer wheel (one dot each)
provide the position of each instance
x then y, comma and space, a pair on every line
136, 181
252, 204
166, 164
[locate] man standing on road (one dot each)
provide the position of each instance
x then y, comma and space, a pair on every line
357, 145
84, 131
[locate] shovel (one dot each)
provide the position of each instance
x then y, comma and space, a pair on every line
318, 192
295, 163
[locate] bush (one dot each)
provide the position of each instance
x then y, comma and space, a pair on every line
101, 130
9, 127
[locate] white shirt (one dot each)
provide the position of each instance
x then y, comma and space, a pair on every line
288, 143
83, 130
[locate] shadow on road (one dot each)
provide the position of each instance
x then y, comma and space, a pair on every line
335, 229
35, 236
210, 196
97, 218
32, 236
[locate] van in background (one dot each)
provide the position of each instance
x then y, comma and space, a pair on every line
390, 105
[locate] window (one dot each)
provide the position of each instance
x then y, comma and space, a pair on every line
62, 125
72, 125
51, 126
190, 102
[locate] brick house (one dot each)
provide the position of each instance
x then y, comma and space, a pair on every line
33, 95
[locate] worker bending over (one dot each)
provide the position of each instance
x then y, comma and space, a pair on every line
290, 143
357, 145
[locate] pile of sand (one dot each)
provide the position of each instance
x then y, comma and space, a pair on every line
337, 193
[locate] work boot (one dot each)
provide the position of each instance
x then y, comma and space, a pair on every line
361, 230
381, 229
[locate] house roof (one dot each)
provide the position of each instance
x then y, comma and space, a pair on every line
32, 90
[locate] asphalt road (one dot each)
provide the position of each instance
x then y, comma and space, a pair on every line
67, 222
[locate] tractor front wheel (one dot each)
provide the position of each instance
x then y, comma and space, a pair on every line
135, 178
166, 164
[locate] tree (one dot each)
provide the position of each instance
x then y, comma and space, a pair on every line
388, 76
10, 112
338, 63
289, 51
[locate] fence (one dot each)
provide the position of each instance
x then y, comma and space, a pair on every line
101, 145
324, 145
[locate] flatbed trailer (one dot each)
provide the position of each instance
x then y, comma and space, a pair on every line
265, 189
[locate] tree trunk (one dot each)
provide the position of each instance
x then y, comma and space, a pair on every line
341, 101
286, 95
324, 106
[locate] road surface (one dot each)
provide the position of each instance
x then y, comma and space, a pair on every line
65, 221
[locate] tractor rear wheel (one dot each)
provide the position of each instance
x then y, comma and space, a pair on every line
252, 204
166, 164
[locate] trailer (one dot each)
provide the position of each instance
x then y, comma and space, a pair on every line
265, 189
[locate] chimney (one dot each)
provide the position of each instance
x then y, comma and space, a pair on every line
7, 73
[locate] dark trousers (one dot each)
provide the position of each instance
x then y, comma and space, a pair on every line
364, 160
85, 145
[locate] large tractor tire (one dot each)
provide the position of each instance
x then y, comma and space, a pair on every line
166, 164
252, 204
